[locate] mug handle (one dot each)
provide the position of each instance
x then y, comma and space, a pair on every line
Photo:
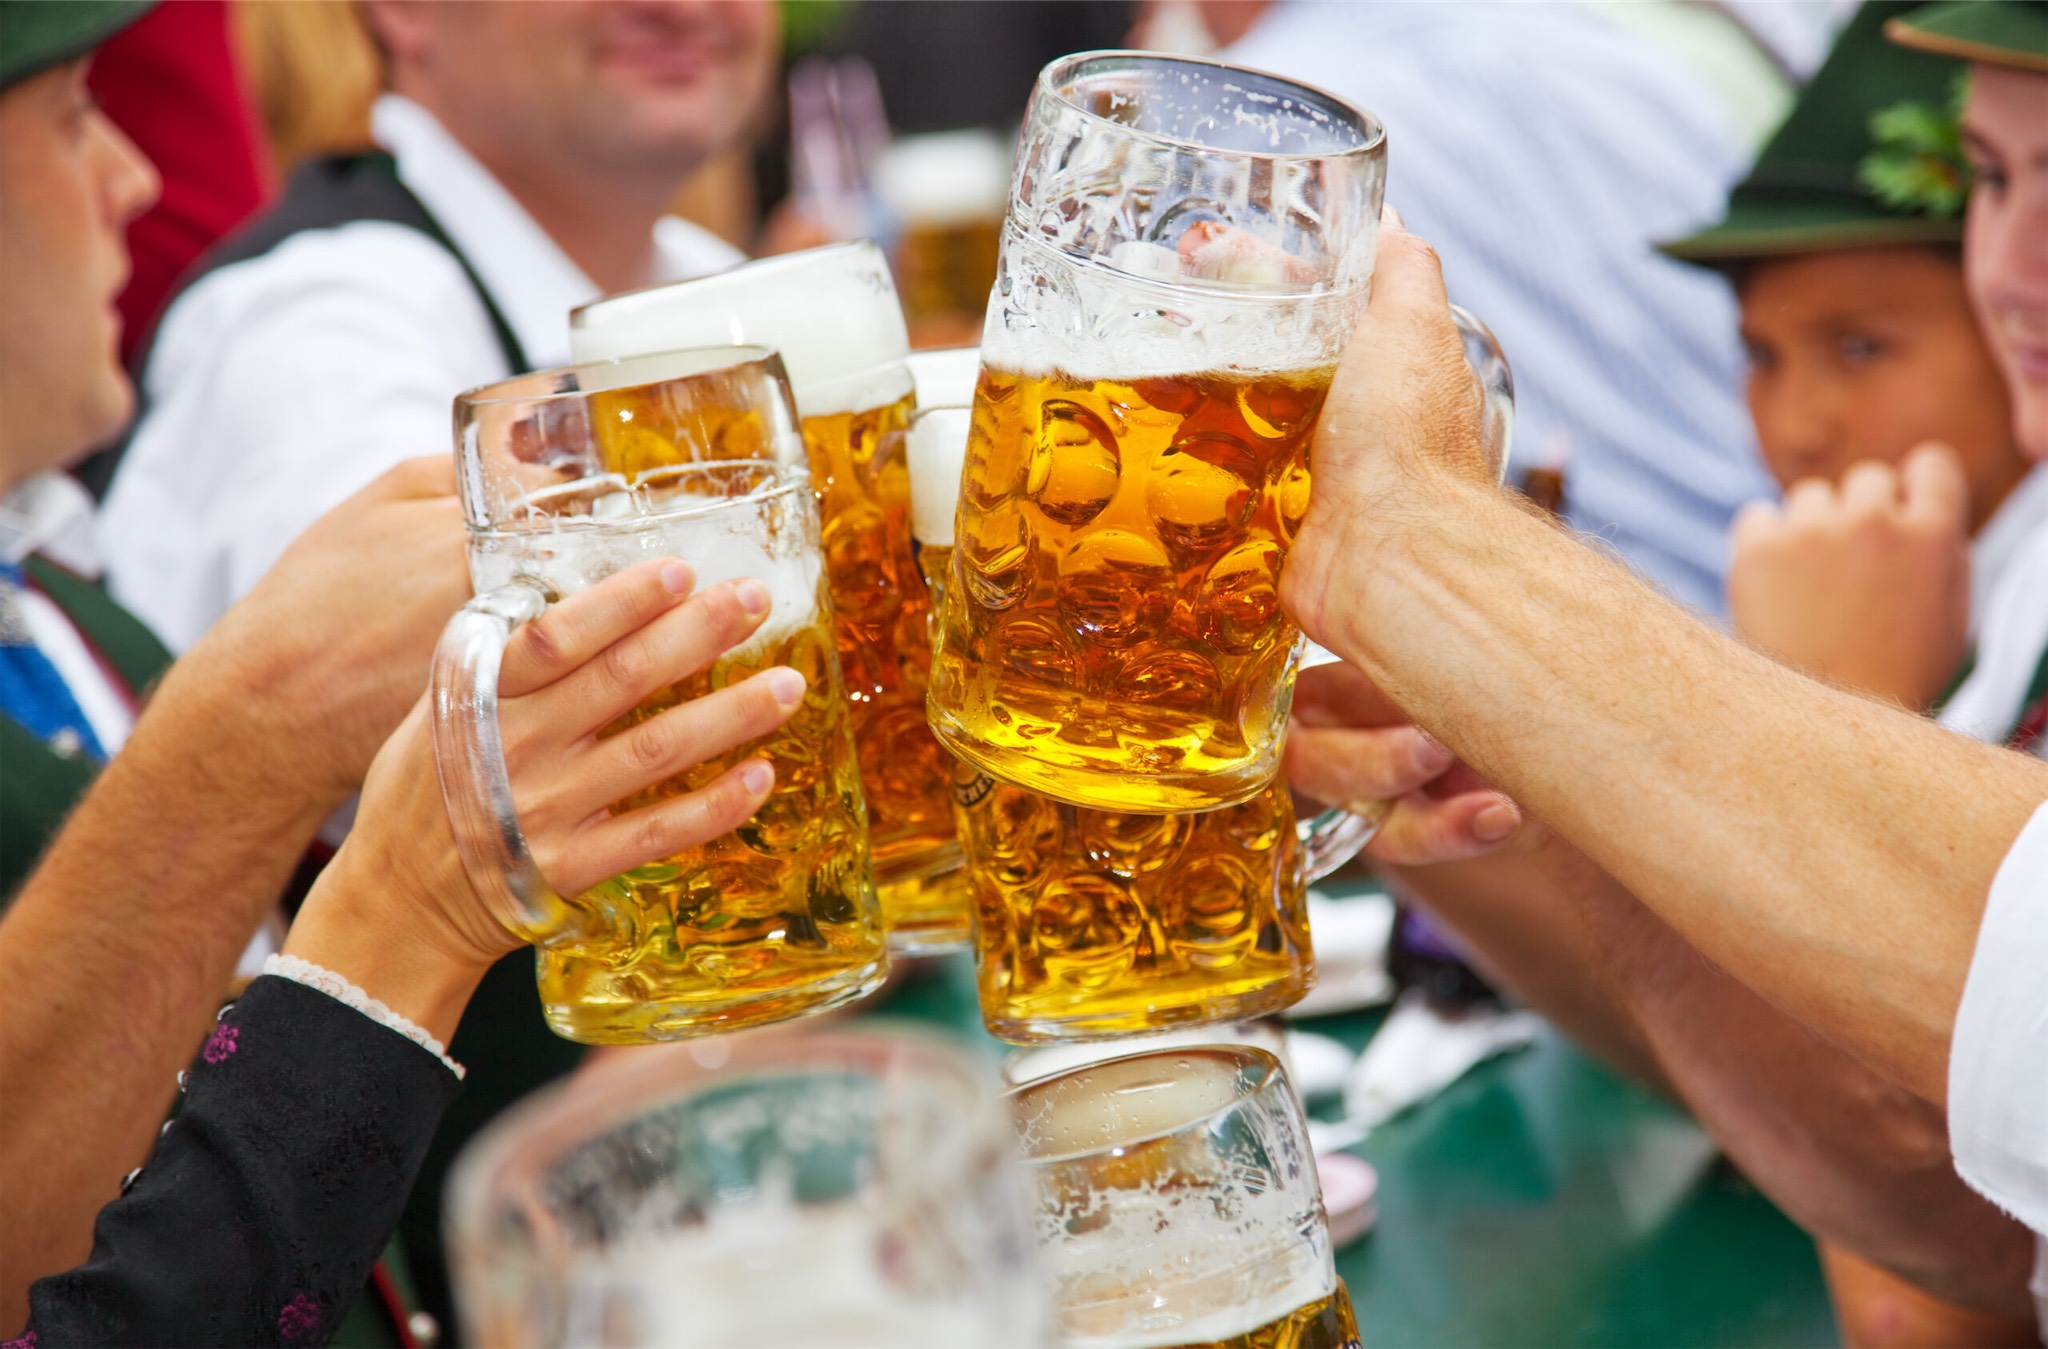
469, 754
1334, 837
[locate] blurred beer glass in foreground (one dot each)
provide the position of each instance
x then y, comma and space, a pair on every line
769, 1192
565, 481
1178, 1205
833, 315
1094, 924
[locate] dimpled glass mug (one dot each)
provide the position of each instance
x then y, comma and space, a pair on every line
1188, 248
562, 486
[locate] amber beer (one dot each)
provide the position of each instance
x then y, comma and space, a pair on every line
834, 317
771, 908
1115, 635
1325, 1323
1093, 923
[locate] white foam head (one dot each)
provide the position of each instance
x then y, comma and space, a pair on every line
945, 376
946, 179
936, 449
832, 312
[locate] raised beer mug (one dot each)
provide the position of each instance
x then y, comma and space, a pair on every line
840, 1191
1178, 1205
832, 314
1187, 250
568, 476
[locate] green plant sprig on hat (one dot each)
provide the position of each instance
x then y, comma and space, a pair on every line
1918, 163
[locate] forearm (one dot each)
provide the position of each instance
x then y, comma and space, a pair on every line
118, 950
1854, 1158
1828, 850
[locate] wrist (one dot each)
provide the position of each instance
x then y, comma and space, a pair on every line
274, 766
376, 935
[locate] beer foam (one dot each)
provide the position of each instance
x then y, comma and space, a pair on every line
947, 178
936, 448
773, 1276
831, 312
945, 376
719, 546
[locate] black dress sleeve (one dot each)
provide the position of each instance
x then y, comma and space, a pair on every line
269, 1196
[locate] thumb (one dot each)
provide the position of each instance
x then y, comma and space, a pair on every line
1407, 278
1936, 492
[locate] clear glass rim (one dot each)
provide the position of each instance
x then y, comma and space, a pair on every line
695, 362
1056, 78
1244, 1056
802, 259
516, 1149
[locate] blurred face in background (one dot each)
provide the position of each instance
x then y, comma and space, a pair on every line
632, 89
1864, 353
2005, 243
69, 184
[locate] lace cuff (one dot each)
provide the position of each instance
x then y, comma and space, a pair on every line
342, 991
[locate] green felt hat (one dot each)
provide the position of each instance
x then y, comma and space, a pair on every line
38, 34
1999, 32
1869, 155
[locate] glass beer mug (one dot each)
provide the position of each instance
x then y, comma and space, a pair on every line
1178, 1205
1188, 248
773, 1192
568, 476
832, 314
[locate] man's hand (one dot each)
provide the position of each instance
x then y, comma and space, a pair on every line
324, 657
1405, 415
1349, 746
1865, 585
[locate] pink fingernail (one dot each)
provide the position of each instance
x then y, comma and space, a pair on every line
1430, 755
753, 597
757, 776
1495, 822
676, 578
786, 685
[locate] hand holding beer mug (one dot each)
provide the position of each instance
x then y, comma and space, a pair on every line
1187, 250
568, 476
774, 1192
832, 314
1178, 1205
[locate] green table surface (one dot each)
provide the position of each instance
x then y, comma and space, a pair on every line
1538, 1201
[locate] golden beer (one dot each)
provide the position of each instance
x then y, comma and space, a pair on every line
1091, 924
745, 929
882, 619
1326, 1323
1111, 634
833, 315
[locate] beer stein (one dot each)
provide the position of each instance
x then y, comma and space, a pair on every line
833, 315
769, 1192
1187, 250
1178, 1205
568, 476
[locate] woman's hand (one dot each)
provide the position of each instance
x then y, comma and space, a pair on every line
394, 913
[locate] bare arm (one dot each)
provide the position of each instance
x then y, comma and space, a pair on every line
1852, 1157
119, 948
1827, 850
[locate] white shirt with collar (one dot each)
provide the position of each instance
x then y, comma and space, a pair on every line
50, 514
280, 385
2008, 613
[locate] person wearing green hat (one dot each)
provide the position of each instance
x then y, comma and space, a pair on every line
1877, 889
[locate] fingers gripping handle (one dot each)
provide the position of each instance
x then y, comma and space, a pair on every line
470, 755
1496, 381
1336, 836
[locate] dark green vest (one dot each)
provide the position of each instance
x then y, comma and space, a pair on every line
38, 788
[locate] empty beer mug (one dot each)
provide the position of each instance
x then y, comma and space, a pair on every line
770, 1192
832, 314
1188, 248
775, 920
1178, 1205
